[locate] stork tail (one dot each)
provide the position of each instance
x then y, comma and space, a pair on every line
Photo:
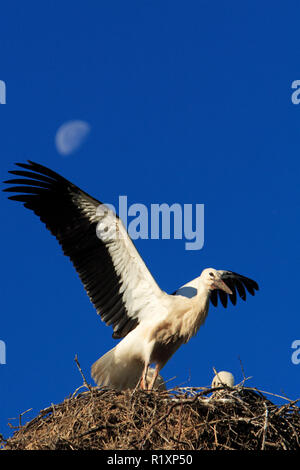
117, 372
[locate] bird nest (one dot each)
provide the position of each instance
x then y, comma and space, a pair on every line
179, 419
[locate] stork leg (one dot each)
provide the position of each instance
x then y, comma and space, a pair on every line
156, 371
143, 384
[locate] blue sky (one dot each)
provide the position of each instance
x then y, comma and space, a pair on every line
187, 102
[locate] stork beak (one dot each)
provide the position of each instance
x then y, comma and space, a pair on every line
221, 285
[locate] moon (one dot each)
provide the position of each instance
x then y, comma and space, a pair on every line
70, 136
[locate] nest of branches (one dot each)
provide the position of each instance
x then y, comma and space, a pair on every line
179, 419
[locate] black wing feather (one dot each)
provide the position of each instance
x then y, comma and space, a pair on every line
237, 283
56, 201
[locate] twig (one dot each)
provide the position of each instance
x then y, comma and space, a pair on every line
96, 429
22, 414
265, 427
82, 375
242, 369
180, 423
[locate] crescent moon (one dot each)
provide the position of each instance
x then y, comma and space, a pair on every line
70, 136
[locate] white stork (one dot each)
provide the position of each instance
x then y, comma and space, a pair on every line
223, 378
152, 323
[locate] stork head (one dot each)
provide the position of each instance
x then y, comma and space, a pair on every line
223, 378
213, 280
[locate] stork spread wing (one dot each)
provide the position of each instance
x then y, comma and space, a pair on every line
113, 274
236, 283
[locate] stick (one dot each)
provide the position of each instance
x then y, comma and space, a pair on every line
265, 428
83, 377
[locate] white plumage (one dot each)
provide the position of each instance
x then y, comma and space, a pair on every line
223, 378
152, 323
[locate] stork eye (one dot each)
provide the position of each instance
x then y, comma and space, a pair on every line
211, 274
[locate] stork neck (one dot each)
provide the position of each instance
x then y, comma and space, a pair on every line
203, 287
196, 316
203, 294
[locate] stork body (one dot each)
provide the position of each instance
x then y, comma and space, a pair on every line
151, 324
154, 341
